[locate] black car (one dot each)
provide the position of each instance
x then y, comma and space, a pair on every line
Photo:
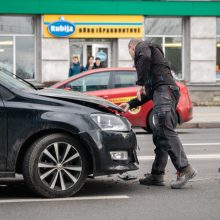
57, 138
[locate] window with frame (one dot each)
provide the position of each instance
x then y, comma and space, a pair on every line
218, 48
168, 32
125, 79
93, 82
17, 45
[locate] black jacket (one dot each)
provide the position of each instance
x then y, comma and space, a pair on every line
152, 70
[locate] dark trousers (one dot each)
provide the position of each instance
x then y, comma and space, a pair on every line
165, 138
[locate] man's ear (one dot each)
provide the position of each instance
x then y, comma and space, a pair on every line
133, 47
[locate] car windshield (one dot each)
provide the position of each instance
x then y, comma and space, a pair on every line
10, 80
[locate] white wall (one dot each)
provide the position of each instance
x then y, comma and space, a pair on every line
124, 58
202, 49
55, 59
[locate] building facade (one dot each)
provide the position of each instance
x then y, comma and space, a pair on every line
39, 38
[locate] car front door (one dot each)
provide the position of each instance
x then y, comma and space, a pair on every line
97, 84
3, 135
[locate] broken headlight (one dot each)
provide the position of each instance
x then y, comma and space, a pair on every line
109, 122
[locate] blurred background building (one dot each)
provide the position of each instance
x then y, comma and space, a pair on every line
39, 37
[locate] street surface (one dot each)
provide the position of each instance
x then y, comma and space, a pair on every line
116, 198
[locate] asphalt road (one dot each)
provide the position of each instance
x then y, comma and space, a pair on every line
116, 198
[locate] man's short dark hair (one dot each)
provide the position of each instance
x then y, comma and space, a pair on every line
97, 58
134, 41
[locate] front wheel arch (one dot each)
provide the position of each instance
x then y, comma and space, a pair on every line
26, 145
37, 163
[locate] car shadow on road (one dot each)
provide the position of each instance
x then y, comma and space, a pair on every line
100, 186
14, 189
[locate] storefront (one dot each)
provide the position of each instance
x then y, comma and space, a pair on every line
35, 44
86, 35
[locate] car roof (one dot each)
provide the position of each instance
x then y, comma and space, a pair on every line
79, 75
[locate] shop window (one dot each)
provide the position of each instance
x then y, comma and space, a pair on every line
168, 33
25, 57
17, 50
218, 50
6, 53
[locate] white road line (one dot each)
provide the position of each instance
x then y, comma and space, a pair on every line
64, 199
200, 156
202, 144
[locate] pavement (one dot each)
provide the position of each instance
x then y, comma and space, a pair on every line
204, 117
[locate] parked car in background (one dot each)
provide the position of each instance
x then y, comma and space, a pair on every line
56, 138
119, 85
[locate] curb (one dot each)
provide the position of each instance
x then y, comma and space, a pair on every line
188, 126
200, 125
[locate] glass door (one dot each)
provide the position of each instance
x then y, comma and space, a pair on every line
76, 50
103, 51
85, 49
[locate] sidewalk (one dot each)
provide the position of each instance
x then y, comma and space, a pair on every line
204, 117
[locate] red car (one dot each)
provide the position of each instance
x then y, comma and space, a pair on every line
119, 85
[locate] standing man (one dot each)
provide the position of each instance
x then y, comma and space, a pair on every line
155, 82
75, 68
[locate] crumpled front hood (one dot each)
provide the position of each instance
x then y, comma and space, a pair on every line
77, 96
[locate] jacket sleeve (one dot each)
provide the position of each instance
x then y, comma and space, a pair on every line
143, 65
135, 102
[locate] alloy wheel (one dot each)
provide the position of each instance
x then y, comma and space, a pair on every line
60, 166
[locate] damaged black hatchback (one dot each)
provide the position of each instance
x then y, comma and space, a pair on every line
56, 138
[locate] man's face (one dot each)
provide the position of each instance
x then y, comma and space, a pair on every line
75, 60
131, 50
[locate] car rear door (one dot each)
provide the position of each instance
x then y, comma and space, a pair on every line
3, 133
125, 89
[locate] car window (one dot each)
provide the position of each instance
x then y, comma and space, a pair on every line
124, 79
96, 81
9, 80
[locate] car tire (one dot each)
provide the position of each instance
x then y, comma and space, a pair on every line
150, 122
55, 166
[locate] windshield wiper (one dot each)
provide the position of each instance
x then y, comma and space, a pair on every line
7, 71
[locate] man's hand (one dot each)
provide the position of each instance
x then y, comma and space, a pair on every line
140, 90
125, 106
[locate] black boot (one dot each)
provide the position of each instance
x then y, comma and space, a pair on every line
153, 179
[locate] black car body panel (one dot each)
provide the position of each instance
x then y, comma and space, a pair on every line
28, 114
3, 136
77, 97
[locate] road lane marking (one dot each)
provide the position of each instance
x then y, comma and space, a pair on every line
199, 156
202, 144
64, 199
